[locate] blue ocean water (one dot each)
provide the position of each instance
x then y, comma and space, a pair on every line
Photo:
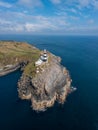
80, 112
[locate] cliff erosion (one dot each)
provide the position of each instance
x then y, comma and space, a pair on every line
42, 84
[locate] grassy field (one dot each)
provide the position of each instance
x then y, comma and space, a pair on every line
16, 52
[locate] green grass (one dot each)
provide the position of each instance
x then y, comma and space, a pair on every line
16, 52
30, 69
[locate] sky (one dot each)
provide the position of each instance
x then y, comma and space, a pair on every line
63, 17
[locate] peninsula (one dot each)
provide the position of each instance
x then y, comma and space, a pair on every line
44, 80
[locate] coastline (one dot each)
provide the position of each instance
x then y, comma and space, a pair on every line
10, 70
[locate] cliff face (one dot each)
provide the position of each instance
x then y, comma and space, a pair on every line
50, 84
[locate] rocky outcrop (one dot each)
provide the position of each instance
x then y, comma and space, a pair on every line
9, 69
51, 84
42, 83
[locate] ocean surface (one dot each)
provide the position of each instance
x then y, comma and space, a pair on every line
80, 112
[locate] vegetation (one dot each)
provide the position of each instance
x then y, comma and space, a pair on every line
30, 69
17, 52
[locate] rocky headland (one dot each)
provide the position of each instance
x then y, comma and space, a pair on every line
42, 84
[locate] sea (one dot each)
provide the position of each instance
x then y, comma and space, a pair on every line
80, 111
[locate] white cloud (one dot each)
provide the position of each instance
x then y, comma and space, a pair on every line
21, 22
74, 18
83, 29
73, 10
19, 28
80, 4
41, 23
91, 21
2, 22
5, 4
84, 3
13, 26
30, 3
16, 22
56, 1
95, 4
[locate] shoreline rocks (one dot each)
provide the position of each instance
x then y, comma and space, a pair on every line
52, 84
9, 70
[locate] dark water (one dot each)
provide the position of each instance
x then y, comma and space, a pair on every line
80, 55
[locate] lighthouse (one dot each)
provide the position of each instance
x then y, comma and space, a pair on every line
43, 58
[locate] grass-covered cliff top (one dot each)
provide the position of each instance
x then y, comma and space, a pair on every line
12, 52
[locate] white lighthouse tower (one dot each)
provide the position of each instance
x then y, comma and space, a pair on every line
43, 58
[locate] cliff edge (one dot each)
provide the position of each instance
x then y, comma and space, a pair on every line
51, 83
44, 80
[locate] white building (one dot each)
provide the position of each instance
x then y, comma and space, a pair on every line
43, 58
38, 62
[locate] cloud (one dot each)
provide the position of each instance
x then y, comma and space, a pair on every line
92, 4
5, 4
56, 1
66, 18
80, 4
83, 30
74, 18
16, 22
21, 22
30, 3
33, 27
12, 26
73, 10
43, 23
91, 21
2, 22
95, 4
84, 3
